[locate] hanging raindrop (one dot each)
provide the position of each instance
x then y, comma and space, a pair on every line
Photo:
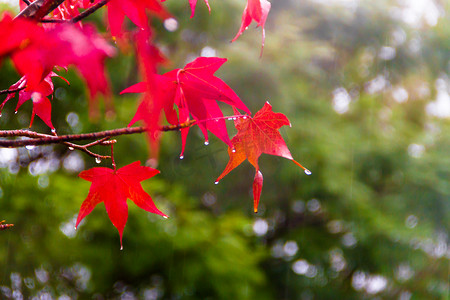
98, 160
53, 130
229, 119
15, 112
216, 182
181, 156
29, 147
71, 148
206, 143
165, 217
233, 150
121, 247
308, 172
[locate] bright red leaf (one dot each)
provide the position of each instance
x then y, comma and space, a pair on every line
194, 90
136, 11
35, 52
113, 188
193, 4
38, 95
255, 136
254, 10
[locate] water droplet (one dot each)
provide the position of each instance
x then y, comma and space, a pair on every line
75, 227
15, 112
121, 247
234, 119
206, 143
181, 156
53, 130
308, 172
0, 115
229, 119
233, 150
98, 160
29, 147
244, 117
216, 182
71, 148
165, 217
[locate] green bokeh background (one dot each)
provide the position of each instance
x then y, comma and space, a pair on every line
358, 84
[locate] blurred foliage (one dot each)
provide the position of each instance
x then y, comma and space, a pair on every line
361, 85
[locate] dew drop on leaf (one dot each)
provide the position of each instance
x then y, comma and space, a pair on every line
308, 172
98, 160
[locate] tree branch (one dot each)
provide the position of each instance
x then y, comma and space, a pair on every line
39, 9
45, 139
81, 16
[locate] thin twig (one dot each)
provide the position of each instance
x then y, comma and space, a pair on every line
8, 91
26, 2
89, 11
44, 139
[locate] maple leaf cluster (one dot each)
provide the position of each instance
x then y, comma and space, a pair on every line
50, 40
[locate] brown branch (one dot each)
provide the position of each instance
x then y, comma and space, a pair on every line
39, 9
81, 16
44, 139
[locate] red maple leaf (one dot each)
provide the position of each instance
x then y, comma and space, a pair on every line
38, 95
113, 188
194, 90
193, 4
135, 10
255, 136
87, 51
35, 52
254, 10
